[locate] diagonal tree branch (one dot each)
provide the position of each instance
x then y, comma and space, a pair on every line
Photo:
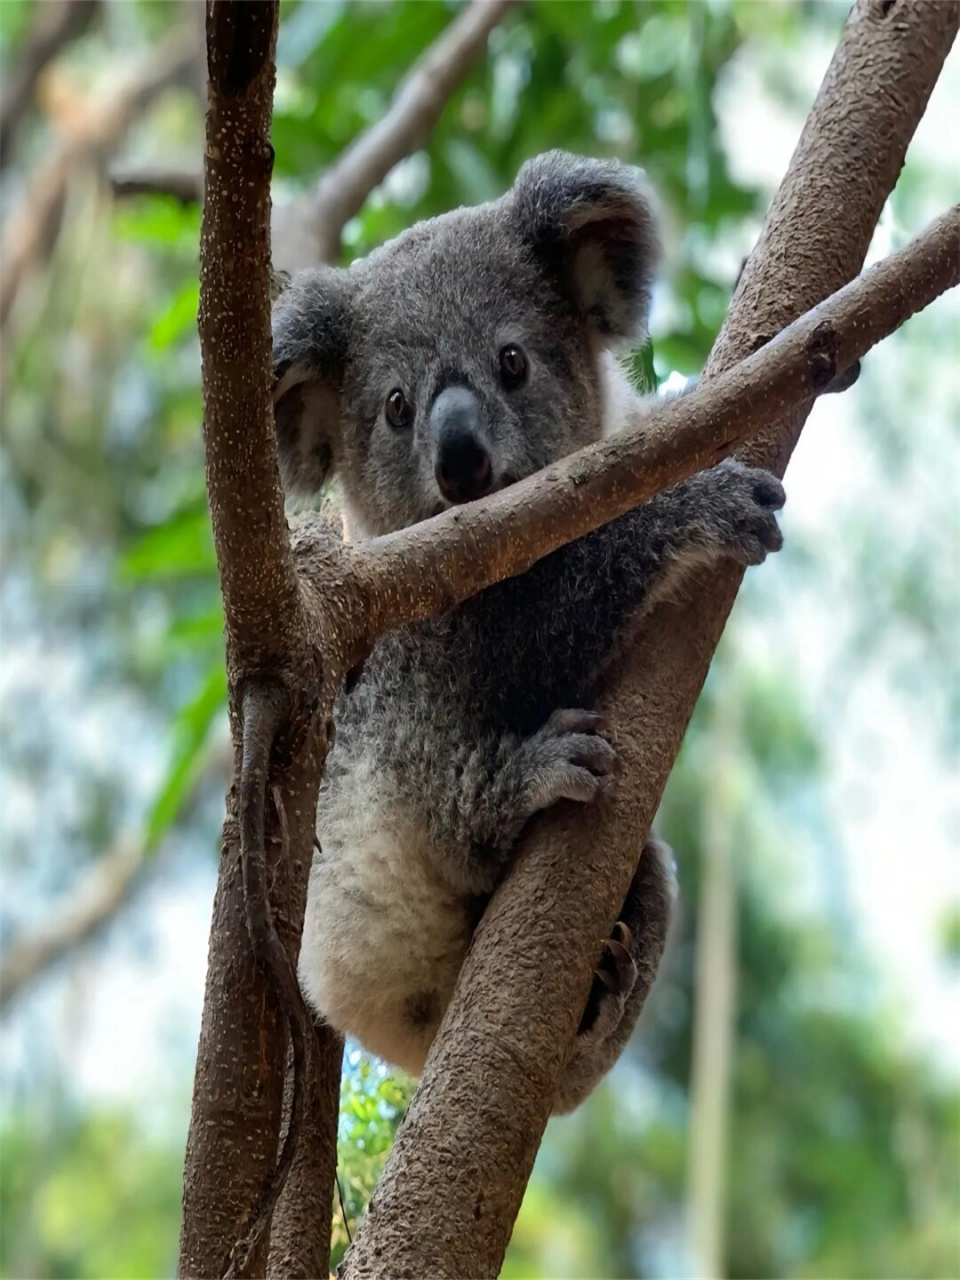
30, 231
462, 1183
308, 230
107, 886
508, 532
98, 897
55, 25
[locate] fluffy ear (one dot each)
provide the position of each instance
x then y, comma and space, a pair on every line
593, 223
310, 339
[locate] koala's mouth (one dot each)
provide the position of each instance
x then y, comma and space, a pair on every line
444, 505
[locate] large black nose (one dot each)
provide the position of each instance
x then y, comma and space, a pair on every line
463, 468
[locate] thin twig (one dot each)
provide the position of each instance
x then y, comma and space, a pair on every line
184, 185
343, 1211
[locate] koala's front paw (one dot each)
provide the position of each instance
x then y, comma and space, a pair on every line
566, 760
738, 506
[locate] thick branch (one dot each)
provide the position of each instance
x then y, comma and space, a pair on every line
54, 26
308, 230
461, 1183
31, 231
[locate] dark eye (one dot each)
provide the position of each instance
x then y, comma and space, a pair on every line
513, 366
398, 409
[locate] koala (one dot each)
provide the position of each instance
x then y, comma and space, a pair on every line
469, 352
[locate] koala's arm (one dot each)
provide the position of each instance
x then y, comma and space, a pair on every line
558, 624
540, 641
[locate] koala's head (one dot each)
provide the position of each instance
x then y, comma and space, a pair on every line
465, 354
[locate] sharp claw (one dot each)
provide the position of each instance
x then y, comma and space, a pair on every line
622, 958
607, 979
623, 934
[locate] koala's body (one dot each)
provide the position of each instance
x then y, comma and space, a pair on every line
468, 353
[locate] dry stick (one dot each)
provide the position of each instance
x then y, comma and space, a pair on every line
447, 1200
308, 231
31, 230
54, 26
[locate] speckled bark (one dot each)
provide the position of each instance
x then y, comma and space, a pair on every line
300, 1236
448, 1198
238, 1088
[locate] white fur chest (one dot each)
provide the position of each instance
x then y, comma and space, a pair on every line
383, 937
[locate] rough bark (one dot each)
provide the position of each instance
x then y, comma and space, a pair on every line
451, 1190
237, 1097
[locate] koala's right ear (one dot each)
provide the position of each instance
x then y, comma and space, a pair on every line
311, 323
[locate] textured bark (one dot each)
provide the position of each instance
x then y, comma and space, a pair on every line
300, 1236
447, 1200
238, 1086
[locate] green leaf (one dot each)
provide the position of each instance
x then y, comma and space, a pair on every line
180, 548
179, 317
191, 728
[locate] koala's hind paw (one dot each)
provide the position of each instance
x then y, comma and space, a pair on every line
613, 980
567, 760
739, 508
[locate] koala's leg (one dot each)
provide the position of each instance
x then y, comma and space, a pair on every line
624, 977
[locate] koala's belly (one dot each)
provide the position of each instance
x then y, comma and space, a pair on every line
383, 938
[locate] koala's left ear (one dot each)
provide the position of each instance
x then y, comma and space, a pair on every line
593, 222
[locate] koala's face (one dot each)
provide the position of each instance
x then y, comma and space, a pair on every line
463, 355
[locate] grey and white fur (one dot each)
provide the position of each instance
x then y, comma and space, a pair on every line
475, 349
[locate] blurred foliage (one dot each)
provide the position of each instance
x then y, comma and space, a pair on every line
843, 1143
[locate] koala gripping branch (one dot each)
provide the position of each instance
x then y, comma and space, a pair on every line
451, 1189
448, 1198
